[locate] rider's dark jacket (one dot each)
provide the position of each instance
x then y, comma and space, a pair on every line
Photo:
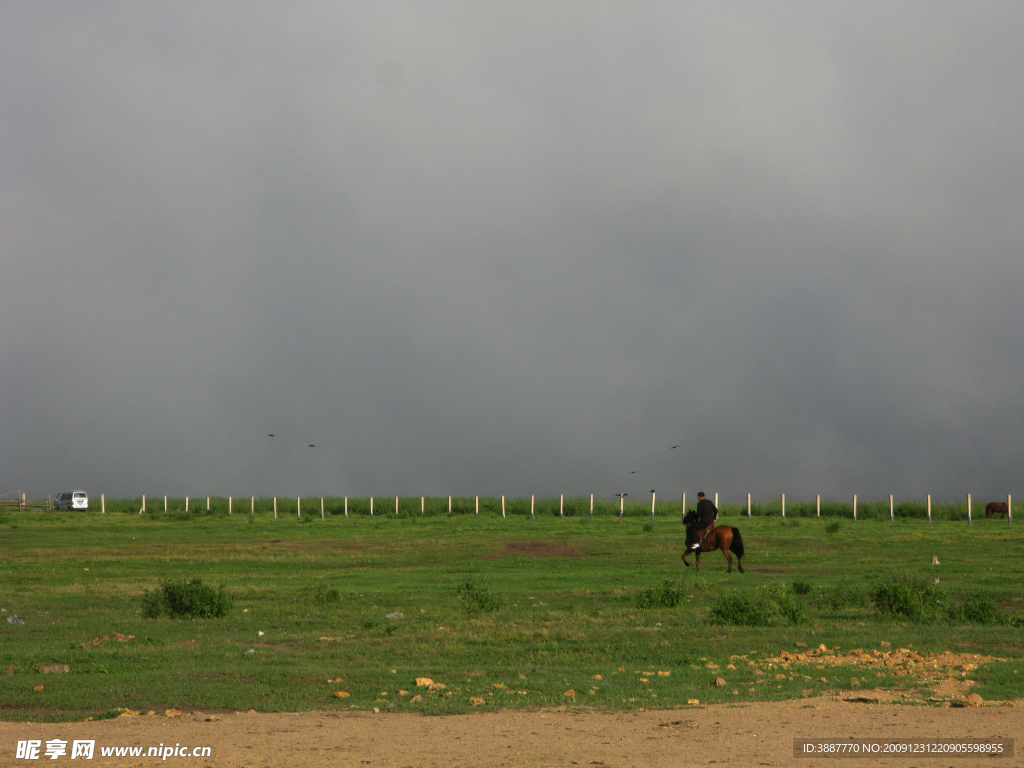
706, 513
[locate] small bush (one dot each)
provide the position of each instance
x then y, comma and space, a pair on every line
801, 588
975, 609
833, 527
907, 595
740, 610
185, 599
648, 527
779, 602
844, 596
665, 596
477, 599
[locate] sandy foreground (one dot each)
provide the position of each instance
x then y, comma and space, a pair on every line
739, 735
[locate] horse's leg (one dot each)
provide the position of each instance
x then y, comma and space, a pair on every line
684, 558
728, 557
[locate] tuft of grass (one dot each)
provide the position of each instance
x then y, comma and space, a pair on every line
476, 598
665, 596
740, 610
323, 593
185, 599
833, 527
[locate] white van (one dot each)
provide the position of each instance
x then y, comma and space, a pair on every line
71, 500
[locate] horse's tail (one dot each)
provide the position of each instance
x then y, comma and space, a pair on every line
737, 543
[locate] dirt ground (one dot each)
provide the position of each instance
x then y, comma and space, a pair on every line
738, 735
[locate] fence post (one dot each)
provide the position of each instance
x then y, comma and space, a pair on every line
421, 506
252, 507
186, 503
346, 507
622, 498
1009, 510
716, 500
322, 508
748, 506
652, 505
229, 505
396, 506
478, 506
929, 507
165, 503
531, 506
968, 509
371, 506
855, 506
143, 503
591, 506
783, 506
449, 506
503, 507
275, 506
561, 502
819, 504
207, 503
298, 506
103, 503
892, 517
684, 503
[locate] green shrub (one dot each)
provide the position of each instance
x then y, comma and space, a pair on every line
907, 595
648, 526
833, 527
665, 596
476, 598
185, 599
740, 610
975, 609
801, 588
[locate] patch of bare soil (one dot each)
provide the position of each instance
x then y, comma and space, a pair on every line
736, 735
535, 549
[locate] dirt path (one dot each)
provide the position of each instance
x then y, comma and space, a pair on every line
737, 735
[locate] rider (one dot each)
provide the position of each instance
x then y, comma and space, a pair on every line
704, 518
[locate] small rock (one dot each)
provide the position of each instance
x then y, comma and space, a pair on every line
173, 713
37, 688
57, 669
395, 615
974, 700
885, 644
212, 719
822, 648
261, 633
250, 652
661, 673
570, 692
798, 644
423, 682
341, 694
720, 681
596, 677
476, 701
1009, 704
334, 680
14, 620
693, 701
416, 699
7, 672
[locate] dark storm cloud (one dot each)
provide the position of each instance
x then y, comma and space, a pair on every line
511, 248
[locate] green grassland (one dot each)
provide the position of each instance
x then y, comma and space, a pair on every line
503, 612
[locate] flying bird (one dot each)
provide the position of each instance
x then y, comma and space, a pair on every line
632, 471
312, 446
271, 434
673, 447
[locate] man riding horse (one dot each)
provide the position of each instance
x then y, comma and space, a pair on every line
700, 521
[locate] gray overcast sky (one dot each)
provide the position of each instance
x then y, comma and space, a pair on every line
512, 248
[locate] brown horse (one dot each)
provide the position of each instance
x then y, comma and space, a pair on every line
725, 538
999, 507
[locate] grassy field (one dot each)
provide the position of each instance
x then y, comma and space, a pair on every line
514, 612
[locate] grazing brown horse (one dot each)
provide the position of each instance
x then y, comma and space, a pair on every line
725, 538
997, 506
